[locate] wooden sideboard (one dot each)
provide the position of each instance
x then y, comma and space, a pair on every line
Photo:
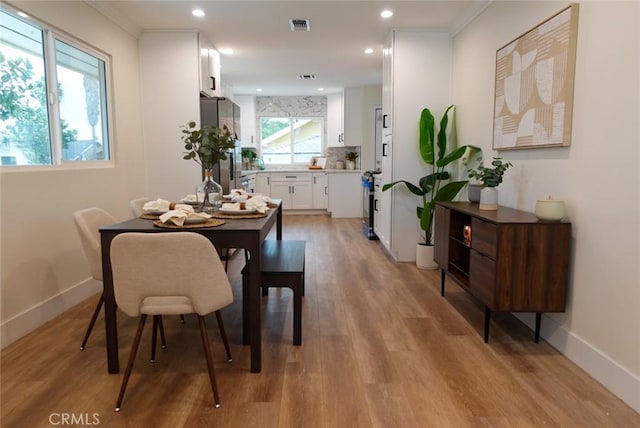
507, 259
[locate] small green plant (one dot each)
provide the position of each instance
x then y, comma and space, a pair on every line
249, 155
490, 176
206, 146
351, 156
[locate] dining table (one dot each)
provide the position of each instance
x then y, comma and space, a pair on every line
245, 233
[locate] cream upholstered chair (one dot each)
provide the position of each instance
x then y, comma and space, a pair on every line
88, 221
169, 273
136, 206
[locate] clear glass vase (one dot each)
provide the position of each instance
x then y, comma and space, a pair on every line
209, 193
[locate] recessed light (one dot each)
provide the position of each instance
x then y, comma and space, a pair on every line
199, 13
320, 89
226, 51
368, 51
386, 14
22, 14
259, 90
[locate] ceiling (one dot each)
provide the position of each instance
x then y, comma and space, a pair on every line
268, 55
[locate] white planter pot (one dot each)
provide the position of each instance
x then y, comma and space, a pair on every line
424, 257
489, 199
351, 164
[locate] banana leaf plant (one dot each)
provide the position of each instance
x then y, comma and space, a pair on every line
435, 186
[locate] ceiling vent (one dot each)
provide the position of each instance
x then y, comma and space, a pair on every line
299, 25
307, 76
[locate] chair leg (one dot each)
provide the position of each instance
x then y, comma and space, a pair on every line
163, 340
132, 358
223, 333
182, 318
154, 338
207, 354
94, 317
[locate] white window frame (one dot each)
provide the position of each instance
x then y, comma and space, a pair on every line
50, 35
291, 119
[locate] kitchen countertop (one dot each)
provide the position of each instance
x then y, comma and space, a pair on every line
340, 171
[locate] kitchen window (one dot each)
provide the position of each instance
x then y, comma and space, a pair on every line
53, 96
290, 140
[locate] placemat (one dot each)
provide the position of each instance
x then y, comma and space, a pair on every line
219, 214
212, 222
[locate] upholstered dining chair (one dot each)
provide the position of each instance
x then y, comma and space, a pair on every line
136, 206
88, 222
169, 273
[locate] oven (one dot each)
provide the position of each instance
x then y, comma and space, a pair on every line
368, 180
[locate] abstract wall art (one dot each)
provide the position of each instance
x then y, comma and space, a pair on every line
534, 85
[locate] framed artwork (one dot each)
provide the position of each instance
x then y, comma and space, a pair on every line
534, 85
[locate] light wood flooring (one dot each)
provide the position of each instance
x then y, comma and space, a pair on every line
380, 348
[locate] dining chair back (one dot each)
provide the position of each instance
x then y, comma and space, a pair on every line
169, 273
88, 222
136, 206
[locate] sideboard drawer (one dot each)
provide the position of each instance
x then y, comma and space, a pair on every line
482, 278
484, 236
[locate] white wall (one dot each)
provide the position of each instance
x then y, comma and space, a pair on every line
597, 175
43, 269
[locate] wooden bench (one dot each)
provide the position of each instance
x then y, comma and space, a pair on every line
283, 266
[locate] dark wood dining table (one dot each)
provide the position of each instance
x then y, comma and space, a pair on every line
234, 233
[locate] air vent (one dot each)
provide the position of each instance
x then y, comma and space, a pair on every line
307, 76
299, 25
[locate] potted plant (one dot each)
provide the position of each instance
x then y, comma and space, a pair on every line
490, 177
351, 157
249, 157
436, 185
207, 147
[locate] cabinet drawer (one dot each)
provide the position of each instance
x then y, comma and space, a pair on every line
290, 176
484, 237
482, 278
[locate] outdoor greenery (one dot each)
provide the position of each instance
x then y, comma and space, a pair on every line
490, 176
206, 146
23, 106
435, 186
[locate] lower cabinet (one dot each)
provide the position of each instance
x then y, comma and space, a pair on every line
262, 184
345, 194
320, 190
294, 189
507, 259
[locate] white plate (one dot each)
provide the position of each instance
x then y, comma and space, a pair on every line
195, 220
155, 212
245, 211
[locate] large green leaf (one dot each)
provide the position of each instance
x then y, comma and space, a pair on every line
412, 187
442, 133
426, 142
449, 190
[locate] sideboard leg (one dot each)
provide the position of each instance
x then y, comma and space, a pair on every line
442, 281
537, 333
487, 321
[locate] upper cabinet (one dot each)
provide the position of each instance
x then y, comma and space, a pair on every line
387, 85
247, 105
335, 119
210, 84
353, 106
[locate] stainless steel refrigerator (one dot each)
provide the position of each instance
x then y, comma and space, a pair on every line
220, 111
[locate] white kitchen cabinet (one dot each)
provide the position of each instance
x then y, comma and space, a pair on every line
381, 216
247, 105
262, 184
210, 84
295, 190
353, 120
345, 194
416, 75
320, 190
335, 120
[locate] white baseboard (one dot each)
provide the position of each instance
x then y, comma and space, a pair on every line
620, 381
27, 321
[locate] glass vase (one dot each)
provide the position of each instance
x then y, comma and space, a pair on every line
209, 193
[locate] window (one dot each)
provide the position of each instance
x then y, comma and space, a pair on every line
288, 140
53, 95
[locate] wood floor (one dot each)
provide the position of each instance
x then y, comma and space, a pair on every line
380, 348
